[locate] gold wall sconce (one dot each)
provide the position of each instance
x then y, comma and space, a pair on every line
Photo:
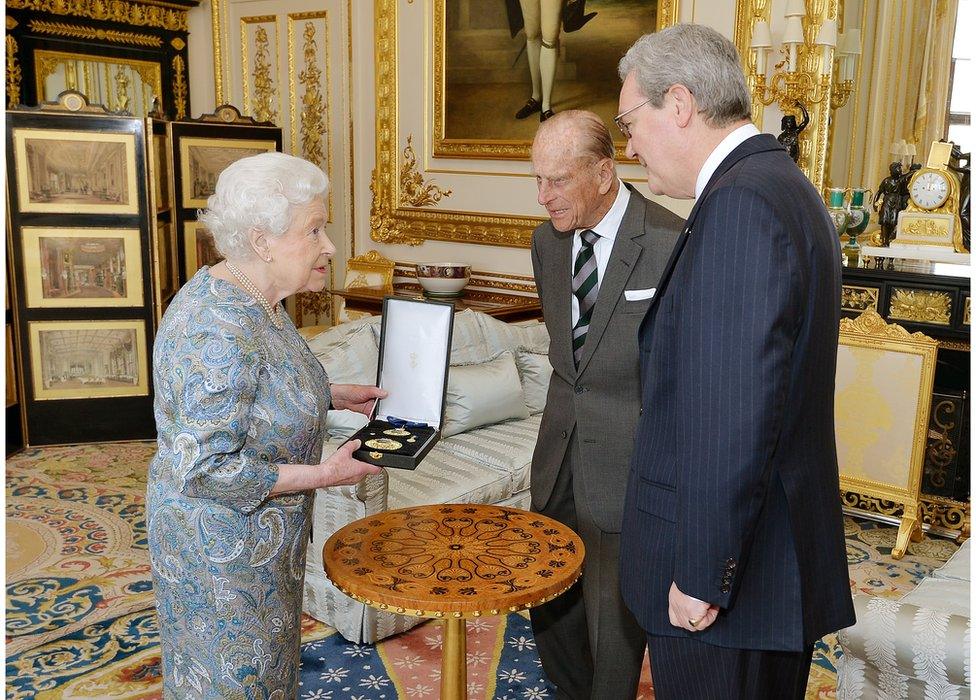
818, 63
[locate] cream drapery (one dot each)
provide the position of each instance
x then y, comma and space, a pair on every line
903, 83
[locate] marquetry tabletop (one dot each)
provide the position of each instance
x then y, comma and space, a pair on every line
454, 560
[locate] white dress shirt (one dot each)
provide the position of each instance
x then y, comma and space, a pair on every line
721, 152
607, 232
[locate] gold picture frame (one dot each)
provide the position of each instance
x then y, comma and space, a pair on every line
11, 382
199, 248
159, 171
75, 172
882, 399
82, 267
203, 159
88, 359
406, 207
615, 22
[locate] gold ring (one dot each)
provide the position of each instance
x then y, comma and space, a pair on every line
694, 623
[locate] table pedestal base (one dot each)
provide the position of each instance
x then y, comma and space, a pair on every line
454, 675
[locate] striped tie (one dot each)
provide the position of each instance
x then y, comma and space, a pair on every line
585, 288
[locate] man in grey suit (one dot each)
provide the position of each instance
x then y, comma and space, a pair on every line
597, 263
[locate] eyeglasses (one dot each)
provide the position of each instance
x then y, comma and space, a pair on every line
625, 128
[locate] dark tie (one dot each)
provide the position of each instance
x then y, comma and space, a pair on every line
585, 288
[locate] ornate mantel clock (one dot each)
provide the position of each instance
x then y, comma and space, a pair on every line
932, 215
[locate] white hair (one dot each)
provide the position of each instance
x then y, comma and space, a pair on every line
259, 192
697, 57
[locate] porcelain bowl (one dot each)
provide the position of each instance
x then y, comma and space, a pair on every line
443, 279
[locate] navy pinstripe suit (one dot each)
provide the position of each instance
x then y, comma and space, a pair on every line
733, 487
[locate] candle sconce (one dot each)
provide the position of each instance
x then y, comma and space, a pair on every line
817, 65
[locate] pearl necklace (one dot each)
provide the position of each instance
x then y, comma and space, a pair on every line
249, 286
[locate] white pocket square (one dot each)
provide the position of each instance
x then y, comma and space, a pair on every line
639, 294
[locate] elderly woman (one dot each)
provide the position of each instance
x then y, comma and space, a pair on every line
240, 408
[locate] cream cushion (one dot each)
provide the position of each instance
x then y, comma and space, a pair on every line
483, 394
349, 360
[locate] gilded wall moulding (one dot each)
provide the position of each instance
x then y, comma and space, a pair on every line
921, 306
139, 14
90, 33
414, 192
179, 86
313, 103
262, 75
14, 74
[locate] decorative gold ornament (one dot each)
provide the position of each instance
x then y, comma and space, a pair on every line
121, 90
313, 106
177, 44
965, 312
170, 17
871, 323
855, 298
414, 192
179, 86
376, 455
264, 87
943, 516
921, 306
397, 432
91, 33
11, 23
13, 73
385, 444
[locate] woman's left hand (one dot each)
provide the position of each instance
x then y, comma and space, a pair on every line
356, 397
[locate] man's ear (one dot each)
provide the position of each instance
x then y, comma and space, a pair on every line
259, 243
607, 175
685, 106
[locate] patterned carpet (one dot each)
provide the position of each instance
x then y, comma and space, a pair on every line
79, 619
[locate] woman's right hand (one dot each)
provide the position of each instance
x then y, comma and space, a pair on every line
342, 469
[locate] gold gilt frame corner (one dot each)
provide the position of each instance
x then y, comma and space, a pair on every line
871, 331
391, 219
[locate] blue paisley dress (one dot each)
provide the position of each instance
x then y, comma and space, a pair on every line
234, 397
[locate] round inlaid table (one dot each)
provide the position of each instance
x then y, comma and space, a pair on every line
453, 562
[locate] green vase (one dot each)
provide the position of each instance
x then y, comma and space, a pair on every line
860, 213
838, 212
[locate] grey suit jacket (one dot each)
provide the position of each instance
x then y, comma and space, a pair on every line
597, 405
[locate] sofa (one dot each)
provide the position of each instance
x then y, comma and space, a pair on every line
497, 388
915, 647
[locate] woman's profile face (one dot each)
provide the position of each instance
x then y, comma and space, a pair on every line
300, 257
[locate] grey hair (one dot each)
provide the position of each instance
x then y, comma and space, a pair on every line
589, 134
259, 192
697, 57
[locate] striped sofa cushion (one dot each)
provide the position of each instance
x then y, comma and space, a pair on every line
487, 465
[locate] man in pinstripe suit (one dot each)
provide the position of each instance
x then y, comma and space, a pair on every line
596, 264
732, 530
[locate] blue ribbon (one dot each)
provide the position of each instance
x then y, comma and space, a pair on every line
402, 423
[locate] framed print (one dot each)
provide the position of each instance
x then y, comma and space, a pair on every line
199, 246
82, 267
203, 159
88, 359
485, 69
75, 172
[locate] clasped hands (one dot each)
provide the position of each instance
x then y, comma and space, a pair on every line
689, 613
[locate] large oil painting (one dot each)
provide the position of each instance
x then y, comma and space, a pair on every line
506, 62
88, 359
75, 172
73, 267
202, 160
